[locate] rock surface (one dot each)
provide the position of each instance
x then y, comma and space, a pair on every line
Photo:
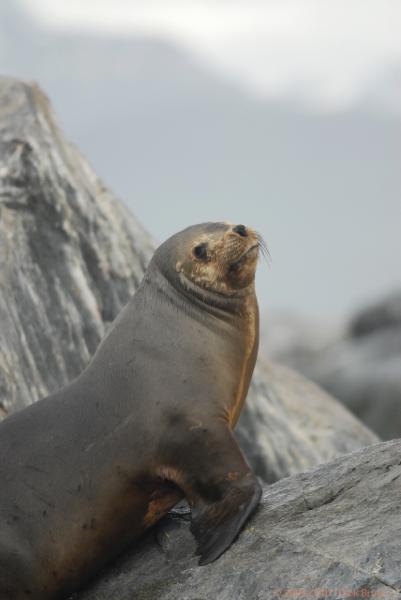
70, 253
363, 367
289, 424
379, 316
334, 532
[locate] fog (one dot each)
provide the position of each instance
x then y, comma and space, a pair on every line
284, 116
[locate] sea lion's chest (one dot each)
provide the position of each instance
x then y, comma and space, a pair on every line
217, 359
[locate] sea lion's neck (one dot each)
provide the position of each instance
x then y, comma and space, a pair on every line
180, 291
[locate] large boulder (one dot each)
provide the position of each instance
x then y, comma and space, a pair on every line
70, 252
362, 367
71, 255
379, 316
289, 424
334, 532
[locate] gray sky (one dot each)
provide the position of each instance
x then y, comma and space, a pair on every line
282, 114
329, 52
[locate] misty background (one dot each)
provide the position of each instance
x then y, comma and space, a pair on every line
284, 115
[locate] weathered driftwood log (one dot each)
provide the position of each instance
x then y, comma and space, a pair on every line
334, 532
70, 256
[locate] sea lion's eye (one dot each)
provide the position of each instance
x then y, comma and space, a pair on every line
200, 251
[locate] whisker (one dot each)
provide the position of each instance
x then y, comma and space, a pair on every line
264, 249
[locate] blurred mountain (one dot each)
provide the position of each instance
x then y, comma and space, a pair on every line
181, 144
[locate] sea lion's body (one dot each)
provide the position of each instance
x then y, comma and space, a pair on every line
85, 471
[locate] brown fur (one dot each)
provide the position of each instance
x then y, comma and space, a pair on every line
149, 421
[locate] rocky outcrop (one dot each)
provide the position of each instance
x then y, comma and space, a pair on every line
71, 255
290, 424
380, 316
363, 367
334, 532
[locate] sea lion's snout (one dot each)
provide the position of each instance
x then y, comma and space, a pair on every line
241, 253
241, 242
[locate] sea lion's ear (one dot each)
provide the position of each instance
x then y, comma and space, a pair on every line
216, 525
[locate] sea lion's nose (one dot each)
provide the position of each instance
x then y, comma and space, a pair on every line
241, 230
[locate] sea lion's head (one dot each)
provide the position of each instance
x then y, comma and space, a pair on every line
211, 258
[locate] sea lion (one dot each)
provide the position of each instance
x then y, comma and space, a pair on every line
86, 470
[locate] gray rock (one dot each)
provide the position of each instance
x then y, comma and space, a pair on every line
71, 255
378, 316
365, 373
289, 424
363, 366
334, 532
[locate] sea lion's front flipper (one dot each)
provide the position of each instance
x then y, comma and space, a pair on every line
215, 525
220, 488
